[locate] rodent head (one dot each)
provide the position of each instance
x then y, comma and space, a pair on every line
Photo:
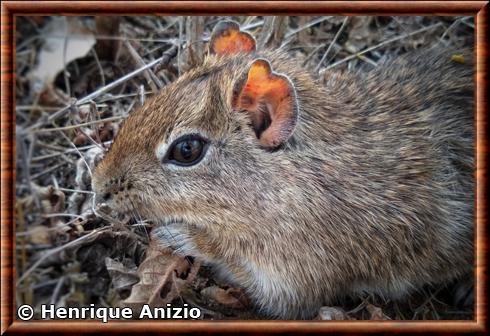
194, 150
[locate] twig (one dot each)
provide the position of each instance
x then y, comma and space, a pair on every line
273, 32
52, 117
76, 149
59, 249
49, 170
471, 25
35, 108
348, 58
59, 214
111, 37
64, 128
65, 72
169, 25
308, 25
317, 48
101, 70
96, 94
166, 58
449, 29
77, 191
54, 228
341, 29
21, 227
194, 30
44, 284
117, 82
142, 95
122, 96
94, 116
27, 157
151, 78
68, 151
181, 31
247, 27
368, 60
428, 300
57, 289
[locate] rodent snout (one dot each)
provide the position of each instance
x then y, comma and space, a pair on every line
103, 197
107, 191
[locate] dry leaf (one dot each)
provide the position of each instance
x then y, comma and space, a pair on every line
107, 26
157, 273
66, 39
122, 276
331, 313
232, 297
360, 33
50, 95
376, 313
51, 199
39, 235
194, 31
104, 132
273, 32
82, 203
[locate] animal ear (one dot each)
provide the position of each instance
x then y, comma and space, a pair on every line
227, 39
269, 99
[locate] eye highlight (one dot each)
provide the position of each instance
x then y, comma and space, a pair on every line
186, 150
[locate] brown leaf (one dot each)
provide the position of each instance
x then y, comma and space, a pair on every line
360, 33
303, 36
122, 276
81, 139
376, 313
52, 96
51, 200
39, 235
331, 313
273, 32
65, 39
107, 26
107, 131
232, 297
194, 31
158, 274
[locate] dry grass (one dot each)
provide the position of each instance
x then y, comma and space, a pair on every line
66, 116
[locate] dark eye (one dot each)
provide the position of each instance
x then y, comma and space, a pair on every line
187, 150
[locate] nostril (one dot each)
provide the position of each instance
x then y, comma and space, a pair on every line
106, 196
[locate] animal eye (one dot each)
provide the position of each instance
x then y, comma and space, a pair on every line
187, 150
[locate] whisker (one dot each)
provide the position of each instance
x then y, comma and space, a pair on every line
138, 217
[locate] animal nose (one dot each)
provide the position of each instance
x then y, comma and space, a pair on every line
103, 197
107, 196
106, 192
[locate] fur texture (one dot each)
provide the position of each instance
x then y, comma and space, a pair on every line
374, 191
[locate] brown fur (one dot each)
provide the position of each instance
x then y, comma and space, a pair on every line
374, 191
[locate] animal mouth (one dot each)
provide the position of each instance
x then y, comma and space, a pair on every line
110, 214
120, 212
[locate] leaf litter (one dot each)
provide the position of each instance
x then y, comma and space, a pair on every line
77, 78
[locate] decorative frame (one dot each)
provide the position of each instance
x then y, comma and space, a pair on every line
9, 9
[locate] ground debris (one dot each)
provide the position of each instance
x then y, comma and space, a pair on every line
68, 252
159, 276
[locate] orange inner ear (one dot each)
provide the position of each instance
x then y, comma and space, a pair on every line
227, 39
274, 92
262, 83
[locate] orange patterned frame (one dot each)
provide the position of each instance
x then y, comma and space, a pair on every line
9, 9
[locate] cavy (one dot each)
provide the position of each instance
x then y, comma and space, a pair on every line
302, 192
